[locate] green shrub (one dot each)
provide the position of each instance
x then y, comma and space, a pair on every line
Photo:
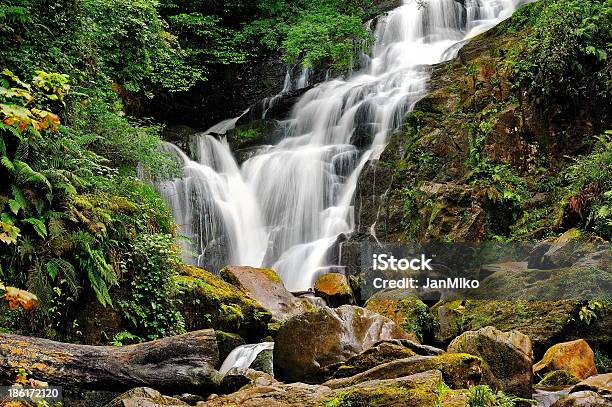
588, 190
567, 51
150, 268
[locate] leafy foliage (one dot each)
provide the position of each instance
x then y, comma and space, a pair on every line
69, 219
483, 396
566, 57
588, 192
151, 308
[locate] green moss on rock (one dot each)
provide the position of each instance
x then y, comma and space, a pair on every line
407, 311
558, 378
209, 302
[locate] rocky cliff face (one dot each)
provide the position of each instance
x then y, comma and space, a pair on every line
475, 159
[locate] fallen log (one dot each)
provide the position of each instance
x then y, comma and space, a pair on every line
178, 363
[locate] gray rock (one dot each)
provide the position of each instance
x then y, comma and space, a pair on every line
308, 343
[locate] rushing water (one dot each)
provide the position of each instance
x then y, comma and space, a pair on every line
287, 205
243, 356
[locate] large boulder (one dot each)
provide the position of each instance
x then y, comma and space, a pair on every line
379, 354
575, 357
408, 312
266, 287
459, 370
508, 355
310, 342
335, 289
207, 301
542, 321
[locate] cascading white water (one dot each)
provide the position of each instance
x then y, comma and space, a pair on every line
287, 205
243, 356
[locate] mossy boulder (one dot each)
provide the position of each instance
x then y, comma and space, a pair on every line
558, 378
335, 289
508, 355
264, 362
266, 287
407, 311
544, 322
306, 344
377, 355
209, 302
575, 357
417, 390
459, 370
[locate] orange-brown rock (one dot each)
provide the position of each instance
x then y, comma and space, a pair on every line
575, 357
335, 289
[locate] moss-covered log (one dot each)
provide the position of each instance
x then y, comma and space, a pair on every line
175, 363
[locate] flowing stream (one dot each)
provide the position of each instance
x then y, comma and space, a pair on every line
285, 207
243, 356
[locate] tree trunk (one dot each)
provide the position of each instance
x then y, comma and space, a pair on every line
178, 363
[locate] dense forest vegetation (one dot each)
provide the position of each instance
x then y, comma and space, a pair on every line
75, 215
88, 237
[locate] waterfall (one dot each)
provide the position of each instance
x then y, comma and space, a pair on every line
288, 204
243, 356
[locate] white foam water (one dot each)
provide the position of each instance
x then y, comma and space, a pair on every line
287, 205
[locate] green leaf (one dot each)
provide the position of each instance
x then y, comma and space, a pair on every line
39, 226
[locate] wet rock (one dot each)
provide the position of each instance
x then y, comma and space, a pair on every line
179, 135
264, 362
253, 134
508, 355
308, 343
386, 5
583, 399
575, 357
144, 397
226, 342
233, 380
406, 311
459, 370
334, 288
601, 383
209, 302
266, 287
